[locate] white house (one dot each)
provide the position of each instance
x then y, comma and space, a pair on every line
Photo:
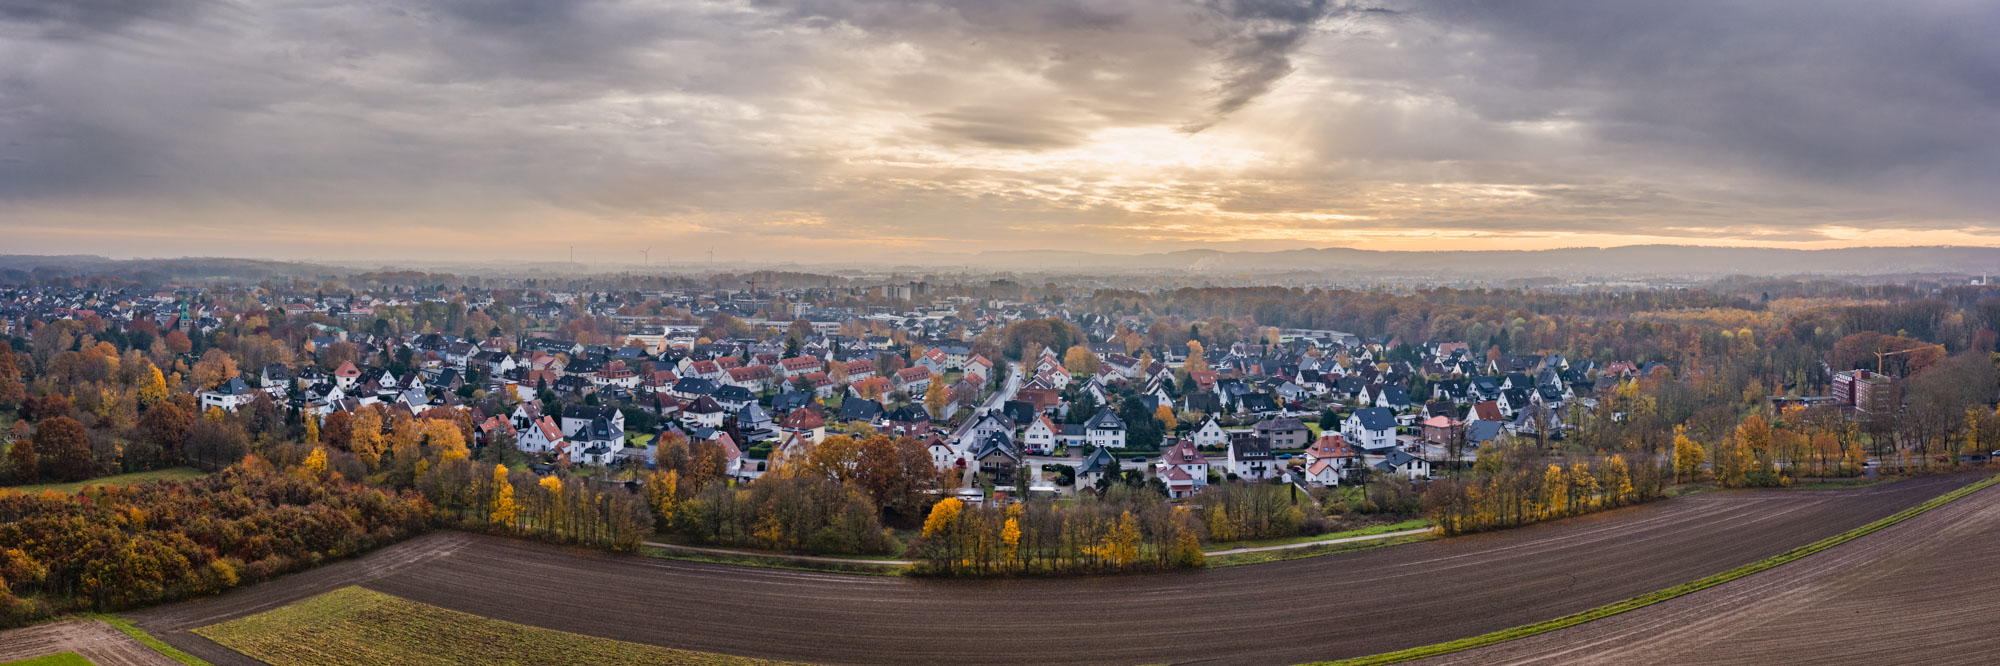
1209, 434
1105, 429
1249, 457
1372, 429
1040, 436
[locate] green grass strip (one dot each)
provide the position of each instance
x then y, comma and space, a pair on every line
1651, 598
158, 645
57, 659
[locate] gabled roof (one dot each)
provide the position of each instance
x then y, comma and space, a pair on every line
1375, 418
1104, 419
803, 419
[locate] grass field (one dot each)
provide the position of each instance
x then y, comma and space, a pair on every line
58, 659
358, 626
168, 474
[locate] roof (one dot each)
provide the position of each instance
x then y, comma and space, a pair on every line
1105, 419
1281, 423
1095, 462
1183, 453
1375, 418
803, 419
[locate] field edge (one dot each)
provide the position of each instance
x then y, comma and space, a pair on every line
1651, 598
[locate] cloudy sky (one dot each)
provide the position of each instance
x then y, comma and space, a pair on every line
828, 129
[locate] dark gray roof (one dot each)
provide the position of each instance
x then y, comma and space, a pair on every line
1376, 418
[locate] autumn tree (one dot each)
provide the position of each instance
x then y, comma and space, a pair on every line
152, 386
935, 397
214, 368
1196, 361
166, 425
366, 440
64, 448
1080, 362
503, 498
1688, 456
1165, 415
27, 465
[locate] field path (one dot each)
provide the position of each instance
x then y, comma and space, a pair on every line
101, 643
1341, 605
1924, 591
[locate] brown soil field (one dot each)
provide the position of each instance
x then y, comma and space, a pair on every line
1328, 607
101, 643
1924, 591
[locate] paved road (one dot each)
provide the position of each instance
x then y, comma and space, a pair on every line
1341, 605
1924, 591
993, 401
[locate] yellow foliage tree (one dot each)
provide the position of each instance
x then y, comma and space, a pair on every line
1080, 362
935, 398
312, 429
1555, 492
1165, 415
1196, 362
316, 462
152, 385
366, 440
1688, 457
1121, 544
503, 497
943, 514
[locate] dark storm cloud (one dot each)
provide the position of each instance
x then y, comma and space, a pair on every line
76, 19
1761, 121
1846, 93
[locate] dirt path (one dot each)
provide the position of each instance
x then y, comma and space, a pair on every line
101, 643
1340, 605
1923, 591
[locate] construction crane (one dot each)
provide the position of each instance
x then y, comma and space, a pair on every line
1880, 355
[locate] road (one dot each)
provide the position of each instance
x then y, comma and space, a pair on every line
1920, 592
993, 401
1342, 605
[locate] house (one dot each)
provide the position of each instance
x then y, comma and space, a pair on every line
703, 411
1183, 468
231, 395
1209, 434
1249, 457
541, 436
908, 420
986, 426
1372, 428
595, 433
913, 381
1402, 462
998, 457
1040, 436
346, 376
1331, 460
1095, 466
1486, 410
1105, 429
942, 454
806, 423
1283, 432
1442, 430
857, 410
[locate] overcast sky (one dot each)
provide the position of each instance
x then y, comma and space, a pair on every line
822, 129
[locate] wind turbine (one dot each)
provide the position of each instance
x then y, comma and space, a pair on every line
646, 255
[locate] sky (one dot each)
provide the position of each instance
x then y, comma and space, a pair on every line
832, 130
